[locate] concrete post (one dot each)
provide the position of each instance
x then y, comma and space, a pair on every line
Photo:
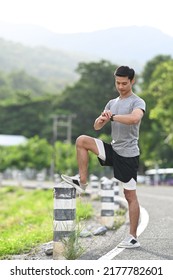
64, 216
19, 178
40, 180
107, 203
57, 178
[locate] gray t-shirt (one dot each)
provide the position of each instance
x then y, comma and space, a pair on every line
125, 137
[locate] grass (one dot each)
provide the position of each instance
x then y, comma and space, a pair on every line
23, 216
72, 246
26, 219
83, 213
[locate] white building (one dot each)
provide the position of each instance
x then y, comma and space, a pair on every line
12, 140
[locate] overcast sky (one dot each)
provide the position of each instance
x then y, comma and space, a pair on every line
71, 16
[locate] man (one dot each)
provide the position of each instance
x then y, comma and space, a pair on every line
125, 113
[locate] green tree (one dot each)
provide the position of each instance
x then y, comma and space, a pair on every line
89, 95
150, 67
65, 158
29, 119
157, 133
36, 153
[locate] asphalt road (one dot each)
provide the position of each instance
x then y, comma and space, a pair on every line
157, 239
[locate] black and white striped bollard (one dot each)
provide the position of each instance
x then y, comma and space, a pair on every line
64, 216
107, 203
95, 186
116, 193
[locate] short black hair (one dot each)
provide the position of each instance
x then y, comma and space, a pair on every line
125, 71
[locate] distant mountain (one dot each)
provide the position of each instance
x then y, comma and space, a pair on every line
56, 67
134, 45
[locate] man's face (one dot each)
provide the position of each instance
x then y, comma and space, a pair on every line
123, 85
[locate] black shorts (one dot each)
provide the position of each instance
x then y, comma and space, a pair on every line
125, 168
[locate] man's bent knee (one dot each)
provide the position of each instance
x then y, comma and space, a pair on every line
81, 140
87, 142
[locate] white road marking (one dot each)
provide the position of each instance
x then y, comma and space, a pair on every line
144, 219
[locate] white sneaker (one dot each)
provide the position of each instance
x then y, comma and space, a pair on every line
75, 182
129, 242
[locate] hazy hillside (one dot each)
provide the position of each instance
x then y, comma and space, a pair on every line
119, 45
52, 65
54, 57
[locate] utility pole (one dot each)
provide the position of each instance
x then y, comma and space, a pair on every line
60, 121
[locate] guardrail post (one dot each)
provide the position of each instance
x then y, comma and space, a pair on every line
64, 217
107, 203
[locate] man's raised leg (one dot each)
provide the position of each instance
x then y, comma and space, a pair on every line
84, 144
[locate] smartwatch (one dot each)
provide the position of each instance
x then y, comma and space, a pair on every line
111, 118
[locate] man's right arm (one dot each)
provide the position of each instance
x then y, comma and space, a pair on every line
101, 121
